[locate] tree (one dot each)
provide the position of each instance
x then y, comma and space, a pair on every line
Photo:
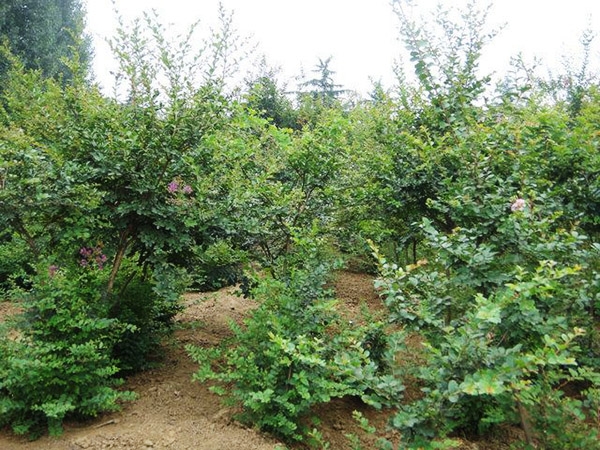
323, 87
269, 101
42, 32
317, 95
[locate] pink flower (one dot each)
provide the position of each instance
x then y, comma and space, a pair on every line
92, 257
52, 270
518, 205
173, 186
187, 189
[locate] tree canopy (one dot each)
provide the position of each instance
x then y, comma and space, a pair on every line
42, 32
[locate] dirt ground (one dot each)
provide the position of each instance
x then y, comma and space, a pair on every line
174, 413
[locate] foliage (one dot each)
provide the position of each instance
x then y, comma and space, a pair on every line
226, 50
271, 183
293, 352
14, 263
216, 265
147, 306
270, 102
75, 164
42, 33
57, 361
35, 120
445, 52
119, 172
485, 211
504, 312
502, 288
361, 209
423, 126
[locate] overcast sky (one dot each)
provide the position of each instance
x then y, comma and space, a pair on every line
361, 35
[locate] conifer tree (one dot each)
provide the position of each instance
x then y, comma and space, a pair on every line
323, 87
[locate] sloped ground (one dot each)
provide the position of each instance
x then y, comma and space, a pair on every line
176, 414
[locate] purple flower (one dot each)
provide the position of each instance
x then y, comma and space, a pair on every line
92, 257
518, 205
187, 189
173, 186
52, 270
100, 260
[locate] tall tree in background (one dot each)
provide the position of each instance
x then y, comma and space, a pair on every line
323, 87
41, 32
318, 94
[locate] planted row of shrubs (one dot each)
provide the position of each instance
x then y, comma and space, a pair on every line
483, 217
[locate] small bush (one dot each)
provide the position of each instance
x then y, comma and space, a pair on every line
60, 364
216, 266
15, 260
147, 306
294, 351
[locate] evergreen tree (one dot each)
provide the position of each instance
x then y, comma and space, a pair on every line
41, 32
323, 87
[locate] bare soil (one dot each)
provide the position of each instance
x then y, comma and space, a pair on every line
174, 413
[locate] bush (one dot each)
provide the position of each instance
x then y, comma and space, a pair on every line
60, 363
294, 351
215, 266
15, 260
507, 318
147, 306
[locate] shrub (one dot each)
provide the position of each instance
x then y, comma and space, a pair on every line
294, 351
147, 304
60, 363
507, 318
215, 266
15, 260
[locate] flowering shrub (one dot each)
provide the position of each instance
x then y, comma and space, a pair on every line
507, 322
173, 187
92, 257
518, 205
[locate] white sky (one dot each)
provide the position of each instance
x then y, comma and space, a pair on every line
361, 35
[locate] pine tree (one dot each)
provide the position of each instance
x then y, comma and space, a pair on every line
323, 87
